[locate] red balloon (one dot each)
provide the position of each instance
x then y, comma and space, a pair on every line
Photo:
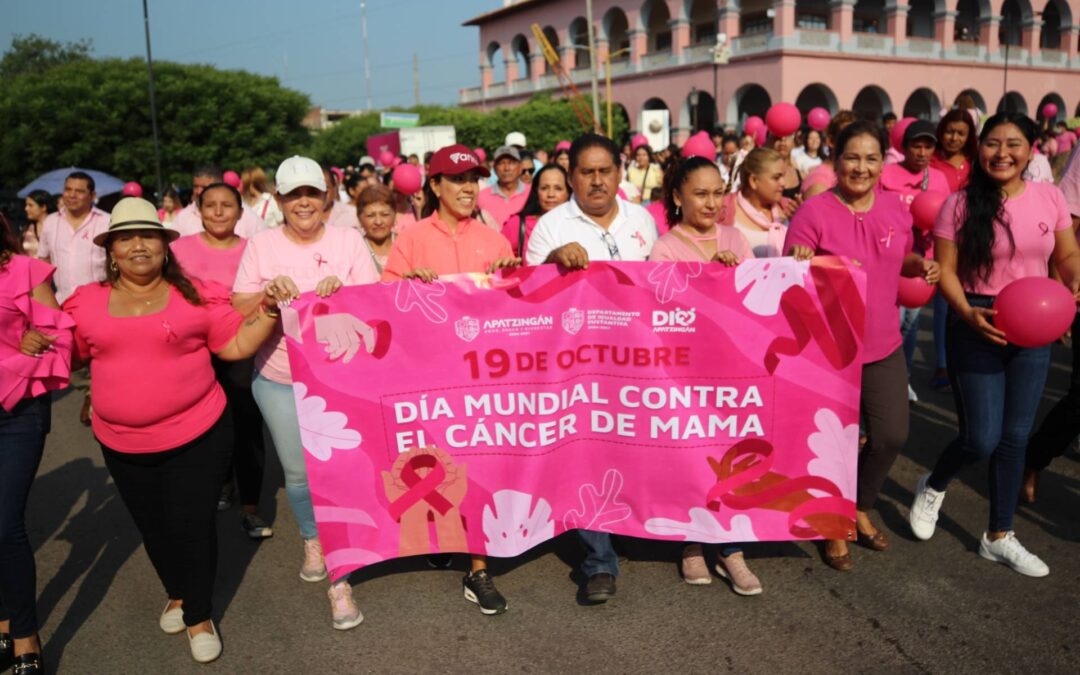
783, 119
406, 179
752, 124
915, 292
1050, 110
132, 189
818, 118
896, 136
1034, 311
925, 208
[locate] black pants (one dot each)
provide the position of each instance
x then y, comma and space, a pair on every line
1062, 423
22, 441
248, 447
172, 496
884, 406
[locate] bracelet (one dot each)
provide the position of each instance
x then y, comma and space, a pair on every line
273, 314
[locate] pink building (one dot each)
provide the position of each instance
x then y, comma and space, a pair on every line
910, 57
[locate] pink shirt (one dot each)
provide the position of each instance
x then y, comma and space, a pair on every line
1034, 215
403, 221
1070, 183
893, 156
188, 221
896, 178
429, 244
501, 207
343, 215
23, 376
879, 240
1065, 142
511, 229
659, 216
340, 252
151, 379
78, 260
202, 261
956, 177
822, 174
679, 244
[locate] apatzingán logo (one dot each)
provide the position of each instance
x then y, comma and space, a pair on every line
467, 328
515, 323
674, 320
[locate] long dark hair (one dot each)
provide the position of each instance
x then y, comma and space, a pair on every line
171, 272
431, 201
9, 243
983, 206
43, 199
532, 203
971, 147
676, 176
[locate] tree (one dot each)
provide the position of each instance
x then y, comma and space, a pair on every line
96, 113
33, 54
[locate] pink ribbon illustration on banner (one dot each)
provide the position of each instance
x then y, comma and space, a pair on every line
425, 485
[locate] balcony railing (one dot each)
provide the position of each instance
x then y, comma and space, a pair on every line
745, 44
658, 60
969, 50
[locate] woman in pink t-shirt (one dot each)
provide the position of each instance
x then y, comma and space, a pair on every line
214, 255
35, 351
551, 188
303, 255
148, 333
858, 221
1000, 229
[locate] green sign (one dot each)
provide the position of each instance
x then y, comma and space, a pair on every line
399, 120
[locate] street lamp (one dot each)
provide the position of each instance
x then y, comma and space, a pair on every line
695, 98
721, 54
607, 90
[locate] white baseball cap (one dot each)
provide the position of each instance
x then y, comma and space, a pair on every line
297, 172
515, 138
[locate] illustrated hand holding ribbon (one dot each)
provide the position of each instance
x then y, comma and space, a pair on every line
343, 333
423, 485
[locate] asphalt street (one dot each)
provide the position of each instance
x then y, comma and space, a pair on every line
922, 607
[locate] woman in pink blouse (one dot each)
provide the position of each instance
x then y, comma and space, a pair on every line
35, 348
551, 188
857, 220
148, 333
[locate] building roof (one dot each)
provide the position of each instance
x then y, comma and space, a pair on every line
506, 10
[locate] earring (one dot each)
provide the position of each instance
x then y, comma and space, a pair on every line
113, 267
678, 211
166, 257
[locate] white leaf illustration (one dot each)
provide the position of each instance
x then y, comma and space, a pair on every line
836, 449
769, 278
322, 431
703, 527
600, 506
516, 525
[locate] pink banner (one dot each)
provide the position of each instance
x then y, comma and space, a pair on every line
662, 400
380, 143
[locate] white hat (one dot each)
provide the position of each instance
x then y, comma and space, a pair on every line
515, 138
297, 172
366, 160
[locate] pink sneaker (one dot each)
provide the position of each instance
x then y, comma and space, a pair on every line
694, 570
342, 606
314, 568
734, 569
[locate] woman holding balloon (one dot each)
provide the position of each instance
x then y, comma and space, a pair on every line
994, 240
858, 221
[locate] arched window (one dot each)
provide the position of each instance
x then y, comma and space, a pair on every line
920, 19
703, 21
657, 21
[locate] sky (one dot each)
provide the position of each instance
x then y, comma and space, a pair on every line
315, 47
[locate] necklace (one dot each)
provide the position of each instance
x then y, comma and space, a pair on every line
141, 296
859, 215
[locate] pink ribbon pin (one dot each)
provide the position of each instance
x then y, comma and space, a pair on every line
888, 239
320, 260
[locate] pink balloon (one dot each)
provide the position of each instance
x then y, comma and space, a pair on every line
914, 292
231, 178
386, 157
637, 141
1050, 110
481, 154
783, 119
896, 136
1034, 311
132, 189
560, 146
699, 145
818, 118
752, 124
760, 136
407, 179
925, 208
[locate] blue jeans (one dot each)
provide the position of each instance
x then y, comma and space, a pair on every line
600, 557
278, 408
997, 391
909, 330
22, 441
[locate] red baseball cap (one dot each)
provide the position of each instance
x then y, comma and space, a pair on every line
456, 159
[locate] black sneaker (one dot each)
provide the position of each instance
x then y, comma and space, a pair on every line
7, 652
480, 588
601, 588
440, 561
255, 526
224, 502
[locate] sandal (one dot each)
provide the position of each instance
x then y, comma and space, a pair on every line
840, 563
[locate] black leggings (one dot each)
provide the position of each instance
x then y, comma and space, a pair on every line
248, 447
172, 496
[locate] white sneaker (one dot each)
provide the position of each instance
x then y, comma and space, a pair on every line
924, 510
912, 397
343, 608
1009, 551
172, 620
205, 647
314, 567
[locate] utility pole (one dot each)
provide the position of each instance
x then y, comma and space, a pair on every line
367, 62
153, 100
592, 65
416, 77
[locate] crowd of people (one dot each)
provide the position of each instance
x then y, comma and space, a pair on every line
176, 310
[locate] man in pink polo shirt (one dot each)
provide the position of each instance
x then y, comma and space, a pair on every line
67, 237
508, 195
914, 174
189, 221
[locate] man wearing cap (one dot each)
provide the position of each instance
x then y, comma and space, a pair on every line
66, 239
914, 174
595, 225
189, 220
506, 197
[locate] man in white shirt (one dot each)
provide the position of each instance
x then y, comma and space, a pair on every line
594, 225
67, 237
189, 220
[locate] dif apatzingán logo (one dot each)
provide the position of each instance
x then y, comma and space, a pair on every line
677, 320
